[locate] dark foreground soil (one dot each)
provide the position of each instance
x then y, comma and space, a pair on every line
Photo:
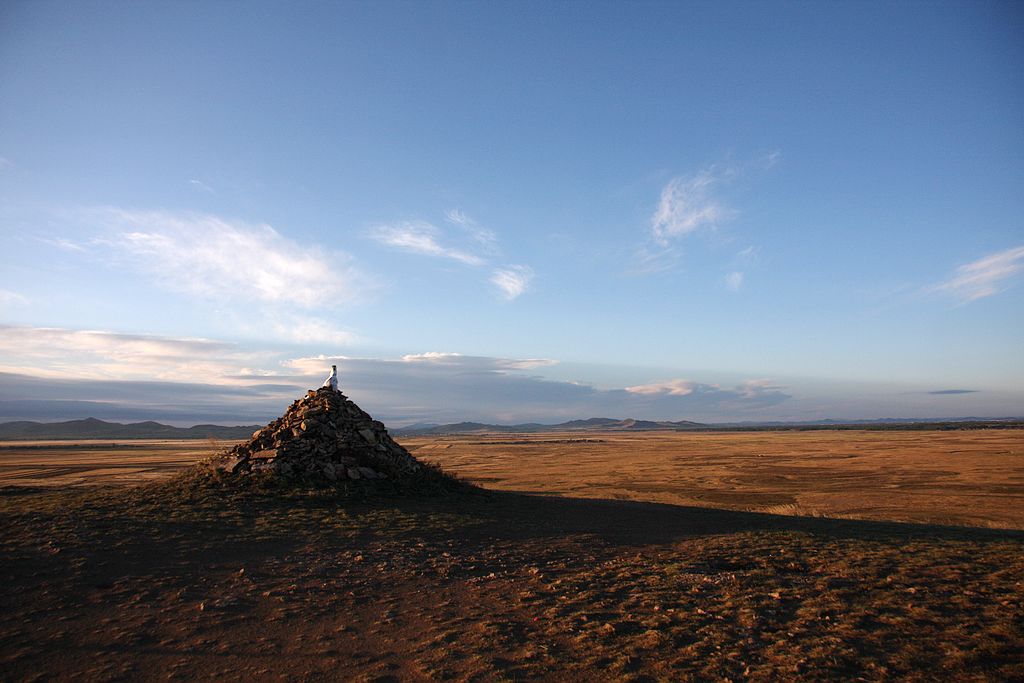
175, 581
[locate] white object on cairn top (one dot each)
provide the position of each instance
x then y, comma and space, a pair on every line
332, 381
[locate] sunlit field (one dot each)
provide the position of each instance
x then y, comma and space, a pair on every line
90, 463
938, 477
969, 477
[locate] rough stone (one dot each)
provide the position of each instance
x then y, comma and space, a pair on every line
229, 463
322, 436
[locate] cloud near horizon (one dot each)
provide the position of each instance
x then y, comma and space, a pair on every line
107, 372
672, 387
59, 353
27, 397
760, 391
54, 373
449, 387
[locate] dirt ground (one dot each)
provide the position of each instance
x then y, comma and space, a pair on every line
173, 580
167, 582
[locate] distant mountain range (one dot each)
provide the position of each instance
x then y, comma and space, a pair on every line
604, 424
594, 424
91, 428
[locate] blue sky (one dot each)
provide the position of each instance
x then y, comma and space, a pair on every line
512, 211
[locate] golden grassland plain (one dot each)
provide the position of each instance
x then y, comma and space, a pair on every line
971, 477
964, 477
62, 463
589, 575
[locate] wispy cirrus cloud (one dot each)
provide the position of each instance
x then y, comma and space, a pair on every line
420, 237
512, 281
741, 261
485, 238
200, 185
985, 277
689, 204
746, 256
66, 244
648, 261
479, 248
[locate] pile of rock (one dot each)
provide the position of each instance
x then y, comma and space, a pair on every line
322, 436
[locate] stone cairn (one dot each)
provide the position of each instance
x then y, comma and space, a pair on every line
322, 436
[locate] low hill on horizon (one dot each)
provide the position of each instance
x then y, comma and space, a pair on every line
91, 428
594, 424
604, 424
